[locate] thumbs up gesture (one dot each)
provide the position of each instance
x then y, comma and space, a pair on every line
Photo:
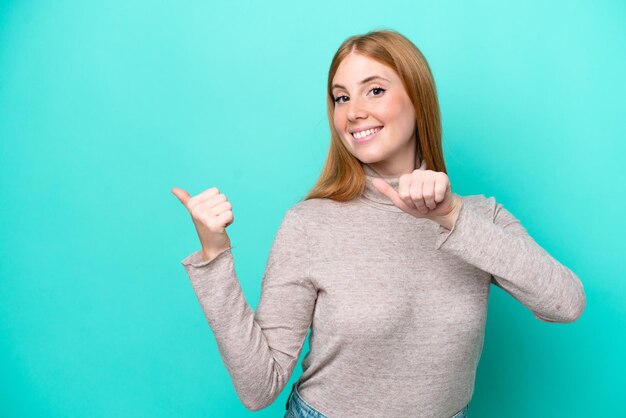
424, 194
211, 213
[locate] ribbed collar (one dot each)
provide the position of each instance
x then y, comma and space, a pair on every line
372, 196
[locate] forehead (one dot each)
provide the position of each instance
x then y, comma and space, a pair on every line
356, 67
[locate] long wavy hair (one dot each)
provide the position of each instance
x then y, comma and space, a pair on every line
342, 177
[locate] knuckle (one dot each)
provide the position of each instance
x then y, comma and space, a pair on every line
416, 195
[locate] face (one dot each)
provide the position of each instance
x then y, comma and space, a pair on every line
369, 95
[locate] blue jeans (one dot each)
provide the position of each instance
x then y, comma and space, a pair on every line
299, 408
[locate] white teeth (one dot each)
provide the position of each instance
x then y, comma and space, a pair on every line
362, 134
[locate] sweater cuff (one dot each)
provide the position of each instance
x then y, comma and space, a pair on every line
468, 223
195, 259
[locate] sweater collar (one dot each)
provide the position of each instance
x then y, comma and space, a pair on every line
372, 196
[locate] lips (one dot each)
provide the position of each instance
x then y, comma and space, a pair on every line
363, 129
370, 136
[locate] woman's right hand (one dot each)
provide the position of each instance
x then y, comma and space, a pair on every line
211, 213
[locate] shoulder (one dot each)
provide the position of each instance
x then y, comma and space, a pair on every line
315, 214
300, 218
313, 208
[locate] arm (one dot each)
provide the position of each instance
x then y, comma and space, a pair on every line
489, 237
260, 350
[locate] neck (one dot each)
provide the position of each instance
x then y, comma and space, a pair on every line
371, 194
403, 161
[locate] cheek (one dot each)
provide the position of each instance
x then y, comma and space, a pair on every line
339, 121
402, 113
408, 122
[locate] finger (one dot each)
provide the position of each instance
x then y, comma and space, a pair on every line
226, 218
416, 194
182, 195
213, 211
203, 197
428, 191
404, 184
441, 187
210, 204
221, 207
389, 191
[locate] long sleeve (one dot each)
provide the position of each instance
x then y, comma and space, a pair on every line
260, 350
489, 237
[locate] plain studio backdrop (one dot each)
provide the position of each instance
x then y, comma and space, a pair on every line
105, 106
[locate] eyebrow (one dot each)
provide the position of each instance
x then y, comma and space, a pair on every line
365, 80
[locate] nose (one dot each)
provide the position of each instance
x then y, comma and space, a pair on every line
356, 110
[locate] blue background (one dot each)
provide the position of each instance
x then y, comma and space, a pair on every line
105, 106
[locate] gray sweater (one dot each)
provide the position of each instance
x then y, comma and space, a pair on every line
397, 305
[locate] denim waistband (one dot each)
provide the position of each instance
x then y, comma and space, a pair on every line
312, 412
300, 406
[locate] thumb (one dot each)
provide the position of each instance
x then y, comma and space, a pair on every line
182, 195
386, 189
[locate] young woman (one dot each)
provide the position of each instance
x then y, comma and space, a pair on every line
389, 268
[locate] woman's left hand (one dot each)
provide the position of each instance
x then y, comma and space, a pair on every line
424, 194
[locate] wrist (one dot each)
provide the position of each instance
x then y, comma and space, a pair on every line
210, 254
449, 220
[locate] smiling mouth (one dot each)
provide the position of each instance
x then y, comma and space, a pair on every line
366, 135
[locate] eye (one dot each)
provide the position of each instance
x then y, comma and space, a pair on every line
378, 88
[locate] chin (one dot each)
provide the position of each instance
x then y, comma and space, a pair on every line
369, 158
